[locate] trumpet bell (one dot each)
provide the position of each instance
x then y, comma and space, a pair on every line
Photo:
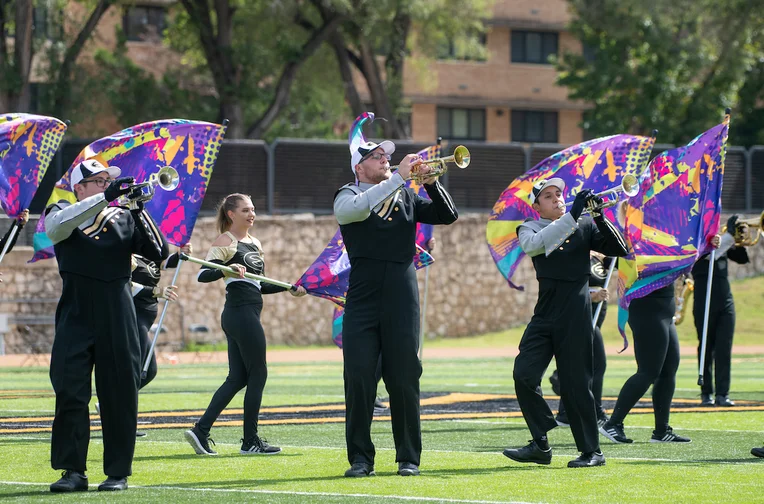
630, 185
167, 178
461, 157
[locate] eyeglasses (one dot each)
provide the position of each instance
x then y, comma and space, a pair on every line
100, 182
376, 156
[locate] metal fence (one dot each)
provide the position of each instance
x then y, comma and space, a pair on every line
296, 175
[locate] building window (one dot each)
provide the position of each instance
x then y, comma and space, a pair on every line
470, 48
533, 126
589, 53
461, 124
533, 47
144, 22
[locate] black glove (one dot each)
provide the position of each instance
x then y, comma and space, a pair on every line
115, 189
580, 203
732, 224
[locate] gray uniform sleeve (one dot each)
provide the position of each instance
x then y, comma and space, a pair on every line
62, 221
726, 243
535, 241
350, 206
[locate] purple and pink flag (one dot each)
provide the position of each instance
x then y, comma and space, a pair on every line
27, 146
669, 225
191, 147
597, 164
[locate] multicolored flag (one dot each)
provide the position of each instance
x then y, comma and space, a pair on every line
191, 147
670, 223
597, 164
27, 146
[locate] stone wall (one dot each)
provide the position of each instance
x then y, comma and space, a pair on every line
466, 293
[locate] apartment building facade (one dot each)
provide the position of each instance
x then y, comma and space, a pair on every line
510, 95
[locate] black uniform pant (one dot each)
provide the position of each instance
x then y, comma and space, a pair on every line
95, 326
246, 367
146, 317
656, 348
598, 374
560, 328
382, 317
721, 329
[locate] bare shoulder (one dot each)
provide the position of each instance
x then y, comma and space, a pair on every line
222, 241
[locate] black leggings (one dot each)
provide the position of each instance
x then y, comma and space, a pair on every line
656, 348
246, 367
598, 373
146, 319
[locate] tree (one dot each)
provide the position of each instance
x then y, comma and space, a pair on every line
671, 65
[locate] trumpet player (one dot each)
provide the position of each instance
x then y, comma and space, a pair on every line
96, 323
559, 244
377, 218
721, 316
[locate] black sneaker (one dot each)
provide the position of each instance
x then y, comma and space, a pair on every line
601, 419
360, 470
669, 437
199, 441
530, 453
113, 485
379, 407
554, 379
140, 433
71, 481
706, 400
615, 433
408, 469
724, 401
562, 420
757, 452
258, 446
590, 459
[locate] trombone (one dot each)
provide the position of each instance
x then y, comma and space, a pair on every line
460, 157
166, 178
747, 231
629, 186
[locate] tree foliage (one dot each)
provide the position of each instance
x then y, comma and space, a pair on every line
673, 65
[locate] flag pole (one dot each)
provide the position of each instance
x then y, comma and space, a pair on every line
607, 282
146, 364
703, 340
11, 236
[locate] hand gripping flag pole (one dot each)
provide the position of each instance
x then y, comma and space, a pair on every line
607, 282
704, 338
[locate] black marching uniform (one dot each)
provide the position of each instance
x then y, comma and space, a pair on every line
382, 308
561, 325
145, 277
721, 317
246, 339
96, 325
598, 270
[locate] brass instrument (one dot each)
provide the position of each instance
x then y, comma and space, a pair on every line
747, 231
460, 157
629, 186
166, 178
682, 300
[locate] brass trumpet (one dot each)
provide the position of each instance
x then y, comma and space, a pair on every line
629, 186
166, 178
747, 231
460, 157
682, 300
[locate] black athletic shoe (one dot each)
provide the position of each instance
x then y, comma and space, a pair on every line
554, 379
562, 420
669, 437
408, 469
602, 419
757, 452
360, 470
71, 481
724, 401
615, 433
530, 453
199, 441
258, 446
590, 459
379, 407
113, 485
706, 400
140, 433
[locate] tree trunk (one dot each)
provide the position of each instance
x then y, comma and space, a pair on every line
346, 72
62, 89
377, 89
281, 95
22, 55
394, 62
4, 105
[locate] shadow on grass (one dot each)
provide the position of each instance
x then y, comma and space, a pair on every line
698, 462
11, 440
194, 456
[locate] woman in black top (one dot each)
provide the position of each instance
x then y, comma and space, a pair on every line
240, 321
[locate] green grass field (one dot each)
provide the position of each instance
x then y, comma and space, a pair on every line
461, 462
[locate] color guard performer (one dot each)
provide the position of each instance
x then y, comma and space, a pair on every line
559, 244
377, 218
96, 323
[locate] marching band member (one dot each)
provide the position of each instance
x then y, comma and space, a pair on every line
377, 218
96, 323
721, 317
559, 244
240, 321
